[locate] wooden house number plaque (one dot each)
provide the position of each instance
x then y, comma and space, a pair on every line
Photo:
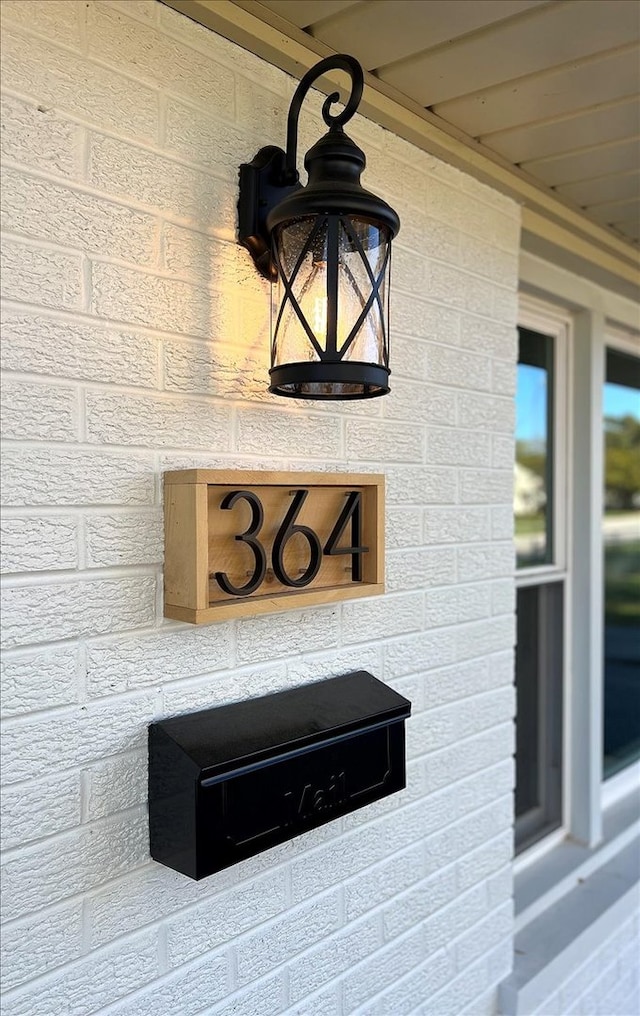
244, 543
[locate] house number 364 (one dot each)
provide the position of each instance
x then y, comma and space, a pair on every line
351, 511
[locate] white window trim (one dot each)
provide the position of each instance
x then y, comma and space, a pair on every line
554, 878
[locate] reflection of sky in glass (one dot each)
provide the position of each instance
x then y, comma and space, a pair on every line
620, 401
531, 403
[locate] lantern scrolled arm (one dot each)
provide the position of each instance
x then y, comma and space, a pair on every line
327, 246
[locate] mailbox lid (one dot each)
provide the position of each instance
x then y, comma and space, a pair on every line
232, 737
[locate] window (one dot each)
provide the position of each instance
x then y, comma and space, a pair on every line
540, 576
621, 554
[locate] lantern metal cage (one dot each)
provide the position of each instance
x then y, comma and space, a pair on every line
326, 247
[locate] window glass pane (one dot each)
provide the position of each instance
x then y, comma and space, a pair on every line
539, 712
532, 497
621, 541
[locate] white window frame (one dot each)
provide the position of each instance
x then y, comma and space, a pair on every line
543, 318
628, 779
597, 318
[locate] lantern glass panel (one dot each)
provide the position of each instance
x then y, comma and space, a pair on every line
330, 303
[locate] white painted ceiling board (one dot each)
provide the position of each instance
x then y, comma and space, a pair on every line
553, 93
304, 12
616, 157
379, 32
603, 189
608, 123
615, 211
538, 40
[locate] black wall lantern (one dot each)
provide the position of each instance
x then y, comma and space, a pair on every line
326, 248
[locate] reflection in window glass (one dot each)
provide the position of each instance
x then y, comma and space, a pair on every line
532, 479
621, 541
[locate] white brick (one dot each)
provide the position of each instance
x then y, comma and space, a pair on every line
145, 10
486, 412
503, 377
159, 60
45, 345
194, 135
494, 338
339, 953
484, 486
329, 664
162, 303
456, 525
74, 862
286, 634
484, 936
460, 681
131, 173
503, 597
220, 689
437, 728
481, 752
462, 837
43, 210
206, 259
382, 882
491, 636
457, 605
376, 972
262, 429
74, 737
143, 897
39, 412
96, 981
72, 610
414, 486
38, 680
59, 20
503, 451
458, 447
263, 999
39, 138
479, 864
486, 562
154, 658
212, 923
418, 569
46, 277
418, 653
117, 784
182, 994
31, 811
69, 477
268, 947
502, 523
124, 539
156, 421
39, 544
384, 443
420, 403
413, 907
406, 995
381, 617
58, 934
458, 369
403, 528
72, 85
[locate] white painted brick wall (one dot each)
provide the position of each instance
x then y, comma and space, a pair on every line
135, 336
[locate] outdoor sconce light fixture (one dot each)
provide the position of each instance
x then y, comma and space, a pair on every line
326, 248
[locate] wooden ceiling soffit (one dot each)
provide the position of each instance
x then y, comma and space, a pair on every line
600, 252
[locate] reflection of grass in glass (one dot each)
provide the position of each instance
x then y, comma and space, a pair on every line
622, 582
527, 524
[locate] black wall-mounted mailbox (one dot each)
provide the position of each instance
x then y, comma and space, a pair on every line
226, 783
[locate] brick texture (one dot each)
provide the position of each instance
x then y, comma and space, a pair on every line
135, 339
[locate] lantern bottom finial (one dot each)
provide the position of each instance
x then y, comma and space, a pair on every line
339, 380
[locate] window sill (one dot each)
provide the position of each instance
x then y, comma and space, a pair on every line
568, 902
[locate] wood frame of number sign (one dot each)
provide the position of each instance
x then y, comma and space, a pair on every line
239, 543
